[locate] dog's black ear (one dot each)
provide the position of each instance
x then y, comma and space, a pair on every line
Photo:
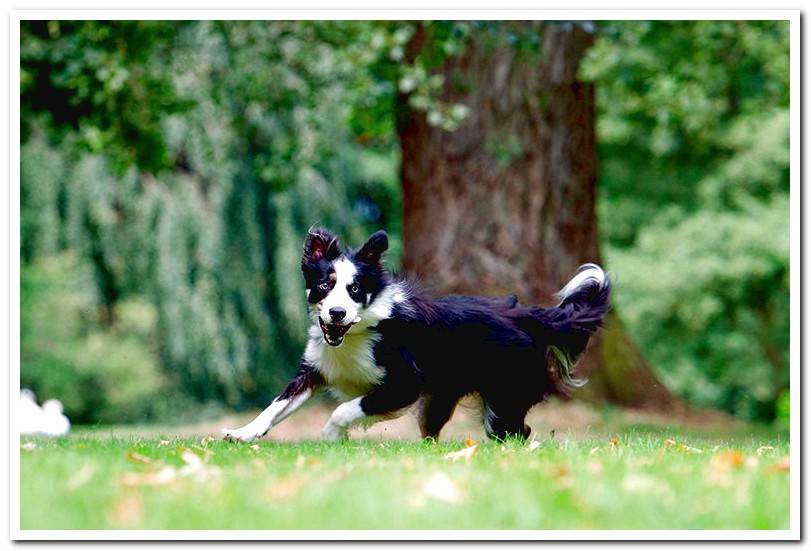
320, 243
373, 249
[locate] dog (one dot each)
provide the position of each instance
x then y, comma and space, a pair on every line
380, 344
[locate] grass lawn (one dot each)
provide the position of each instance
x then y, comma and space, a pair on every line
645, 478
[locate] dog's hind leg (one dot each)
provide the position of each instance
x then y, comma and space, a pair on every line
505, 421
434, 412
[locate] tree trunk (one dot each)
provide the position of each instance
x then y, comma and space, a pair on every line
506, 203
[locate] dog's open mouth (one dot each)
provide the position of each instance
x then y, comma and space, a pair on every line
334, 332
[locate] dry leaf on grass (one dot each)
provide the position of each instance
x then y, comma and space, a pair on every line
782, 465
81, 477
465, 453
615, 442
196, 467
127, 511
594, 466
670, 443
191, 459
136, 457
166, 475
642, 483
285, 487
442, 488
731, 459
28, 446
719, 470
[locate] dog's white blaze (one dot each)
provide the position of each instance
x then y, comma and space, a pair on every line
277, 411
586, 272
339, 295
344, 416
350, 368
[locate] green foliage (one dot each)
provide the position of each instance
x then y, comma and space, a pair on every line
716, 284
671, 94
108, 82
694, 149
210, 236
100, 373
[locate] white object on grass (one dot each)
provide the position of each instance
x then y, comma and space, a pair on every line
48, 420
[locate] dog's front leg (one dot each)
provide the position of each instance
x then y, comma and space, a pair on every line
295, 394
344, 416
386, 401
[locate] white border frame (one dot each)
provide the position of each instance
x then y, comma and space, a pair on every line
793, 533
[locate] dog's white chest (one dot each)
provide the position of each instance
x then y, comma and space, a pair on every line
350, 368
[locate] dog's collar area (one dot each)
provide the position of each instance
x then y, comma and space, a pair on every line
334, 332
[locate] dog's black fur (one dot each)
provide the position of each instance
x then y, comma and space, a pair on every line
434, 351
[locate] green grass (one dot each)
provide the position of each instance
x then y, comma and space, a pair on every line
637, 482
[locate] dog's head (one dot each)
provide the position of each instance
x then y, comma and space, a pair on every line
341, 285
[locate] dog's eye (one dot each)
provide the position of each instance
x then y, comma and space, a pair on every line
323, 286
354, 288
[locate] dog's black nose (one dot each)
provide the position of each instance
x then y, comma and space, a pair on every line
337, 313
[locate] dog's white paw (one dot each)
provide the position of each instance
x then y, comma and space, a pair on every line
245, 434
333, 432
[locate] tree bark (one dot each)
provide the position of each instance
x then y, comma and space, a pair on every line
506, 203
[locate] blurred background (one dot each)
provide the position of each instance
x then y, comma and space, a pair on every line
170, 170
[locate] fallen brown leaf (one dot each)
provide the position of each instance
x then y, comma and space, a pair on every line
670, 443
191, 459
442, 488
465, 453
782, 465
127, 511
196, 467
285, 487
136, 457
164, 476
81, 477
594, 466
731, 459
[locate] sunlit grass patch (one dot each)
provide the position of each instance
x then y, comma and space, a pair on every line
636, 480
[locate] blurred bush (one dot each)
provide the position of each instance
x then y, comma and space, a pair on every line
694, 146
100, 373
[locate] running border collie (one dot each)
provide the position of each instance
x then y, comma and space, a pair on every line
380, 344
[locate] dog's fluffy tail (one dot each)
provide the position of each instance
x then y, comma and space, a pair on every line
566, 328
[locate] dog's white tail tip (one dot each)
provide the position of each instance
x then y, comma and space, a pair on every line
585, 273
